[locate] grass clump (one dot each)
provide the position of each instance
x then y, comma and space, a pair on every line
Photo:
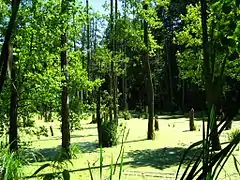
11, 164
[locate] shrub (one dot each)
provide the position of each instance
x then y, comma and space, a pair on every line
127, 115
28, 122
109, 134
144, 115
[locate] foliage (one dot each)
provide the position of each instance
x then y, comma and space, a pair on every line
11, 163
126, 115
212, 162
109, 132
59, 167
112, 167
223, 41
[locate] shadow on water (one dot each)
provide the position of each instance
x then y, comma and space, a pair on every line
51, 154
60, 137
133, 141
169, 117
159, 158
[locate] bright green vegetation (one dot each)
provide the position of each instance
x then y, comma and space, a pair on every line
159, 158
73, 78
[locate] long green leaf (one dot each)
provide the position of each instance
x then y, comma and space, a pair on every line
225, 160
90, 170
101, 161
191, 174
41, 168
187, 168
111, 168
184, 155
121, 165
214, 160
236, 163
212, 117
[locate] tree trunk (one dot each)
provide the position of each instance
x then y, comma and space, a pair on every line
5, 51
115, 108
169, 75
209, 86
65, 95
88, 50
183, 95
82, 93
125, 83
156, 124
111, 76
149, 83
125, 89
99, 119
13, 134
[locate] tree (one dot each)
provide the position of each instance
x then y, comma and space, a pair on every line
5, 48
13, 131
65, 96
148, 79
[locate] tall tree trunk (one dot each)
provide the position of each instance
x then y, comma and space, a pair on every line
5, 48
125, 89
65, 95
112, 63
88, 50
82, 94
209, 86
183, 95
149, 83
169, 75
13, 134
124, 80
115, 109
98, 116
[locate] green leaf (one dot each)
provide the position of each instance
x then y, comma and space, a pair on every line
90, 170
212, 117
111, 168
101, 161
236, 164
41, 168
121, 165
66, 174
185, 154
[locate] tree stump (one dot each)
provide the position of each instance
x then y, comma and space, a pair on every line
51, 130
156, 124
191, 120
94, 119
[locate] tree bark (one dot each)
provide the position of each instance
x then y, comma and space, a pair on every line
183, 96
65, 95
5, 51
99, 119
169, 75
115, 109
13, 134
149, 83
125, 82
111, 76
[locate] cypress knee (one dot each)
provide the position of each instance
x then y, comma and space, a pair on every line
191, 120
